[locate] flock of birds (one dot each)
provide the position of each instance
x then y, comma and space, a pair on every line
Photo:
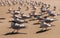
20, 17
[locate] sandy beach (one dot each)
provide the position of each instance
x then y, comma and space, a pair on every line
30, 30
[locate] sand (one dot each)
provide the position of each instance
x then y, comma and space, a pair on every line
30, 30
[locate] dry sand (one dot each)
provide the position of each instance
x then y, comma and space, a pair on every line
31, 29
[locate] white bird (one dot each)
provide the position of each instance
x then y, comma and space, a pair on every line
44, 25
15, 12
24, 16
43, 8
49, 20
32, 14
16, 26
9, 2
34, 7
19, 8
51, 13
10, 10
39, 18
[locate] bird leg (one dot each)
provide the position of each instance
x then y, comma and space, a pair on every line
13, 31
46, 29
42, 29
17, 31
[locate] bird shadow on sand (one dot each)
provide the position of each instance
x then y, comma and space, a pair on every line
32, 19
1, 22
12, 33
36, 23
42, 31
2, 18
20, 22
